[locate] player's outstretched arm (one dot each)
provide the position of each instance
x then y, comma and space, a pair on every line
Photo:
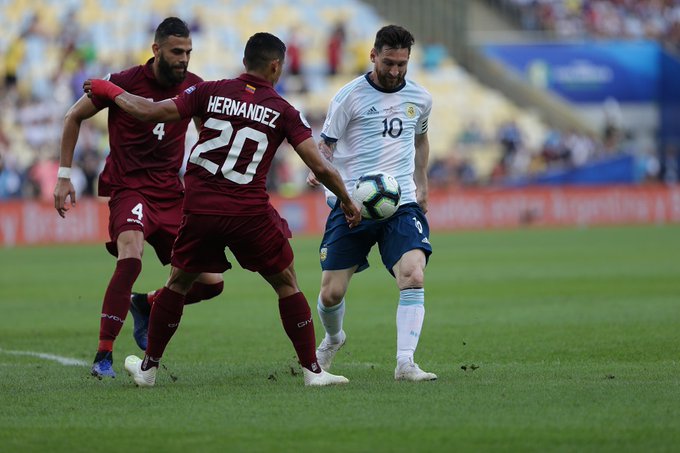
326, 150
141, 108
329, 177
64, 190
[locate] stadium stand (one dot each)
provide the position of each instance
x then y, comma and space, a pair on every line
478, 135
630, 19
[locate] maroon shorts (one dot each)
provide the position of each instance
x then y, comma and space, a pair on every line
259, 243
158, 219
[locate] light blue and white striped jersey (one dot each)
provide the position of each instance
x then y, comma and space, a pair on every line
375, 130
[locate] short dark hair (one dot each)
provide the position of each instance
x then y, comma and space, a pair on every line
171, 26
394, 37
262, 48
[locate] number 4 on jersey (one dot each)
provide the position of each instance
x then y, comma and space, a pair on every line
159, 130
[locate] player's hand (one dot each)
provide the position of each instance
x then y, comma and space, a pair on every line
352, 213
312, 181
423, 205
421, 199
101, 88
63, 190
87, 87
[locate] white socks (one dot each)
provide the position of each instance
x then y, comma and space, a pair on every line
331, 318
410, 315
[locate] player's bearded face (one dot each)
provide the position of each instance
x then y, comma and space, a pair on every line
390, 67
174, 73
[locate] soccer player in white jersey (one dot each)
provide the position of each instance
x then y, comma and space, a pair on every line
378, 122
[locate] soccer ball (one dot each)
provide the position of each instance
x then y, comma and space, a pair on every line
378, 194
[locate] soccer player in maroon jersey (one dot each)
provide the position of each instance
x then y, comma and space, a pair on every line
141, 177
243, 122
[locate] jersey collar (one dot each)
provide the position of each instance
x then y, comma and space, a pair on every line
249, 78
383, 90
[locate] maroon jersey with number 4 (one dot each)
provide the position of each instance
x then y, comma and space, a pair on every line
146, 157
244, 120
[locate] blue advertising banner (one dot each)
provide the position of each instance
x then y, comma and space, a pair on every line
669, 130
587, 72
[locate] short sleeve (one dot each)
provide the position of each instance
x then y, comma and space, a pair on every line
336, 121
189, 101
422, 124
298, 129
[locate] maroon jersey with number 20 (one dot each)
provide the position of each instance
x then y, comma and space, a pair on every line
244, 120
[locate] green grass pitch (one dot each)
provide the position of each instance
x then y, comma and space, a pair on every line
543, 340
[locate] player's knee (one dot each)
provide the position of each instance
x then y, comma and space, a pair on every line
284, 282
331, 296
130, 244
412, 277
180, 281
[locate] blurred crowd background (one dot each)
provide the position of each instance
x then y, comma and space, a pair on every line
479, 135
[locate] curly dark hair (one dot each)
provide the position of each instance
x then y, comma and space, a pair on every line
394, 37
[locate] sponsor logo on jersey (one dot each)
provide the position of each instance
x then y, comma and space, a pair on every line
250, 89
323, 254
410, 110
425, 241
372, 111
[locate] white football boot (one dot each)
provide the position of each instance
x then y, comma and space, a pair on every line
133, 366
410, 371
322, 379
327, 350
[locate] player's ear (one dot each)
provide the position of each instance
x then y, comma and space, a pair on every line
373, 55
276, 66
156, 49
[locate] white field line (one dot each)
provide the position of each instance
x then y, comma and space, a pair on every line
67, 361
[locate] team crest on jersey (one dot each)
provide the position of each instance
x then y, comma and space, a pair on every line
410, 110
323, 254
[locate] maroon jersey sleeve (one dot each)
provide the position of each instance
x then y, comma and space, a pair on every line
297, 126
190, 102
